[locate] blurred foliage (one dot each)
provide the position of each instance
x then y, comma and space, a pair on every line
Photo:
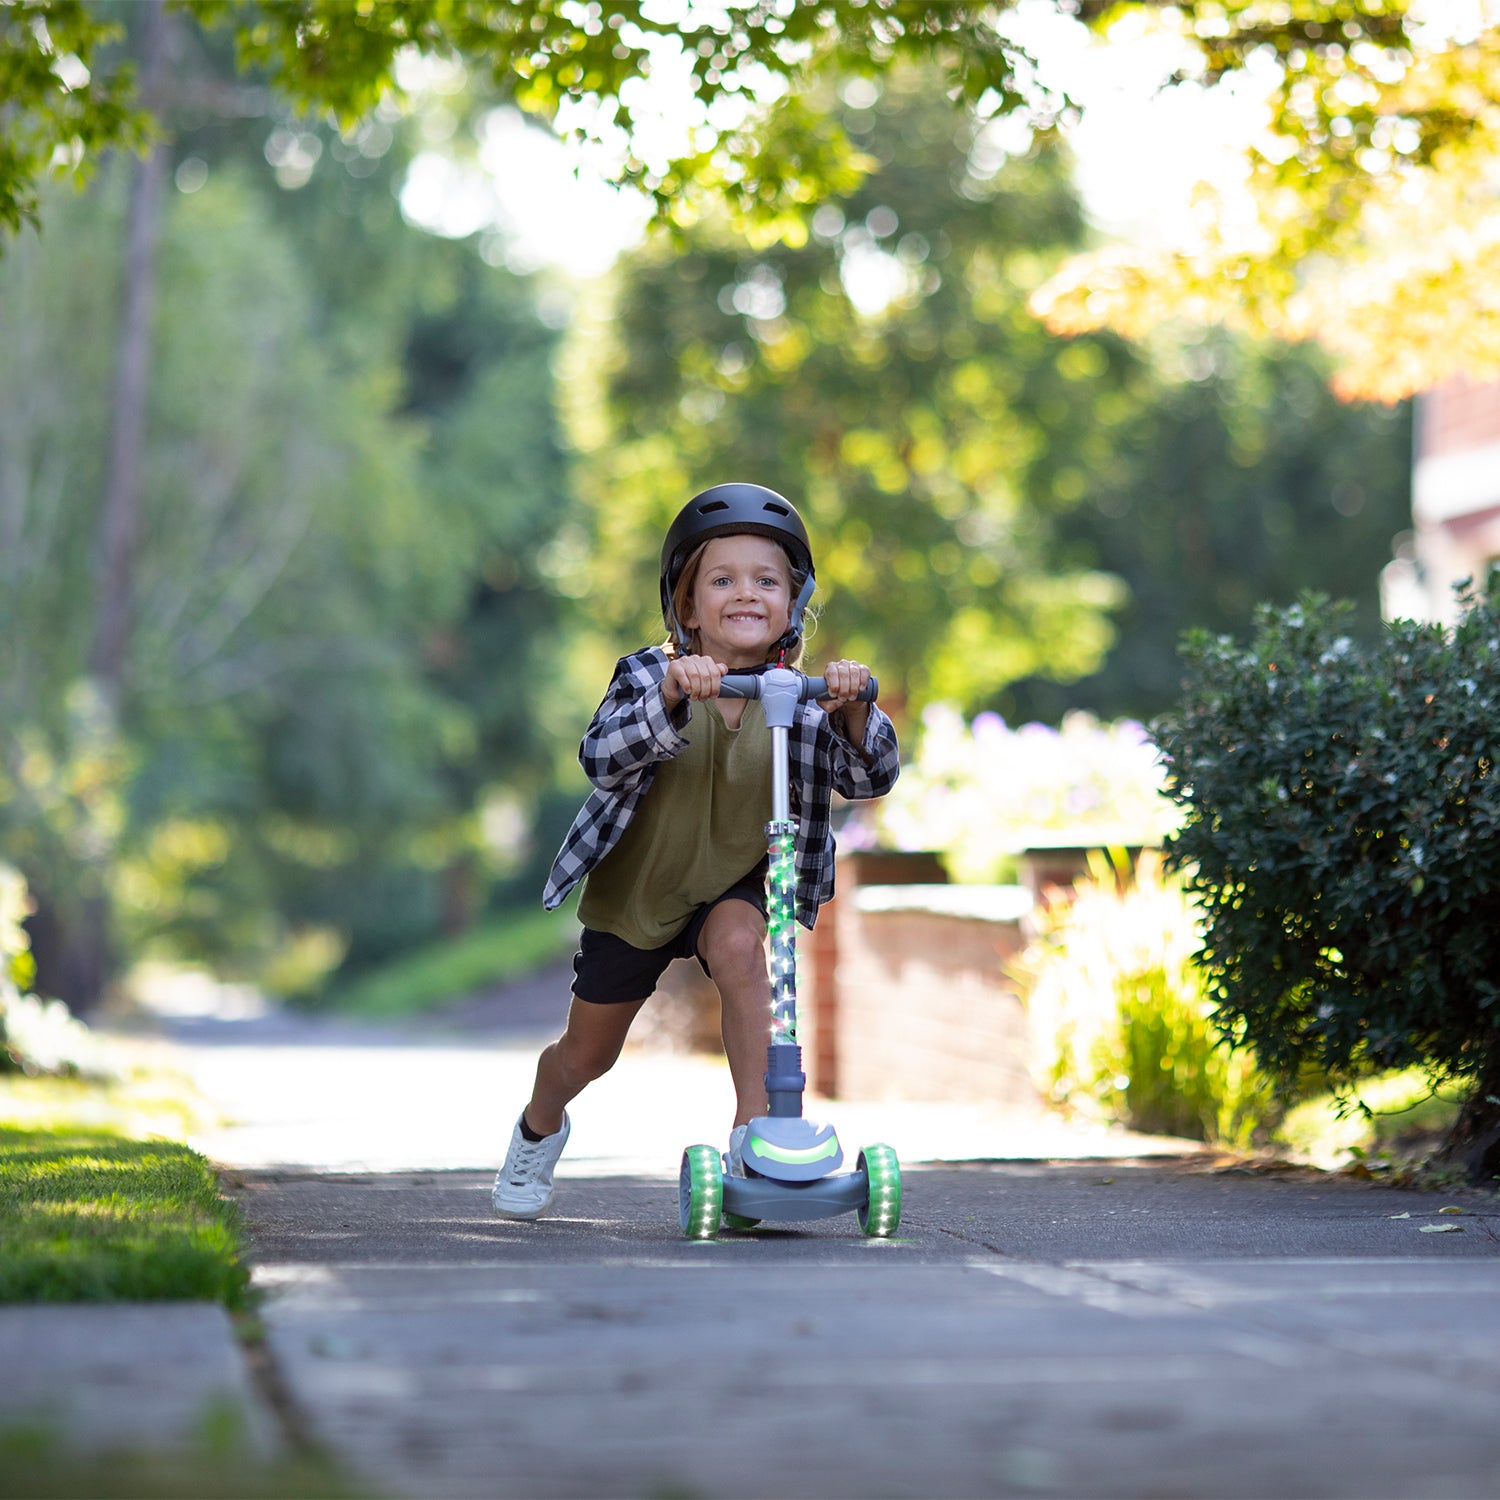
1381, 117
222, 1462
360, 552
490, 954
888, 379
1119, 1008
60, 100
1375, 110
225, 1459
753, 148
1340, 831
1380, 1121
979, 793
996, 511
1242, 480
340, 630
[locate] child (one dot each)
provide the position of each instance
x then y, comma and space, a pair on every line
672, 838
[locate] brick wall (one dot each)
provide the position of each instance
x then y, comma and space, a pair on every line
924, 1008
901, 990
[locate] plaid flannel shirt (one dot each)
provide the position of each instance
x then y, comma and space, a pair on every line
633, 731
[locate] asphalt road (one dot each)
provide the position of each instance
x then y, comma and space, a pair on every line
1099, 1328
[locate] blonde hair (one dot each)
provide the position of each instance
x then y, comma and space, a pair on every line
683, 592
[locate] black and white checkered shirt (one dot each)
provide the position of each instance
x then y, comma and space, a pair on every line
633, 731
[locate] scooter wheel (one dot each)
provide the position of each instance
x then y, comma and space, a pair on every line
739, 1221
700, 1193
881, 1211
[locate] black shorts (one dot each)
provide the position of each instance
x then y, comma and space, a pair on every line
609, 971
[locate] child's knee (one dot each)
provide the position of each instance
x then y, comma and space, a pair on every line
738, 950
585, 1059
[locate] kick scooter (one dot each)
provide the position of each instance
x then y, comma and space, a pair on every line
791, 1163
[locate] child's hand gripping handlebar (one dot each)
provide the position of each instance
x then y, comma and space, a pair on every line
780, 690
767, 684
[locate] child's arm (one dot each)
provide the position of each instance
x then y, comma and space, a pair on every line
846, 681
861, 754
634, 726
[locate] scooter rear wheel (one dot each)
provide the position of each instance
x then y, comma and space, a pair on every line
881, 1211
700, 1193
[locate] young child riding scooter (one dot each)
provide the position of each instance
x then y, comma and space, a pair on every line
672, 838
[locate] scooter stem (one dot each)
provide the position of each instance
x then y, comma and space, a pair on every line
780, 691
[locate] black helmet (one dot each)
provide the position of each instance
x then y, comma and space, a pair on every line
731, 509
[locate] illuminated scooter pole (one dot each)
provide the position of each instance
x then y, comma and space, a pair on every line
780, 692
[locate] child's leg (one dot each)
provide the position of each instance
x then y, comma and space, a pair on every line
733, 945
587, 1049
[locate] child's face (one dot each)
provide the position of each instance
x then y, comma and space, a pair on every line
741, 599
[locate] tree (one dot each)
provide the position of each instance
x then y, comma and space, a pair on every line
315, 697
586, 64
888, 377
1080, 503
1374, 120
1239, 479
1367, 227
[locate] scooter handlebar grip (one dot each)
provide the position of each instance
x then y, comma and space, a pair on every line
749, 685
817, 687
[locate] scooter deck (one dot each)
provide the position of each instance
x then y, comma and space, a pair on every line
823, 1198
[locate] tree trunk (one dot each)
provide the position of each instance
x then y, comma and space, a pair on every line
72, 937
119, 520
1474, 1142
458, 897
72, 949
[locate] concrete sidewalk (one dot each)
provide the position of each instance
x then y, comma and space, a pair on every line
295, 1094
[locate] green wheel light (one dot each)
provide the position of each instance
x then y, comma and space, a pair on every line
700, 1193
881, 1213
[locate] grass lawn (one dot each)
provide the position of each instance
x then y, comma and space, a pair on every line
90, 1211
87, 1215
490, 954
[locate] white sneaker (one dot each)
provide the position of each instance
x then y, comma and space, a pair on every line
523, 1186
734, 1158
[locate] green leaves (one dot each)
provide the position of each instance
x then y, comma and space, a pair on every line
55, 107
1341, 813
886, 377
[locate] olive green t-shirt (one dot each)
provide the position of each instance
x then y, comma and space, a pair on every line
700, 828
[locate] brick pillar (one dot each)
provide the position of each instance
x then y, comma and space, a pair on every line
817, 985
818, 993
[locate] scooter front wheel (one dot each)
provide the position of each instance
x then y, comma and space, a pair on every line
881, 1211
700, 1193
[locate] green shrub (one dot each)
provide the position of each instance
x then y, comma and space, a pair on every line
1123, 1027
1342, 835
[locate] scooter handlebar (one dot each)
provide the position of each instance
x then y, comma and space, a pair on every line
751, 685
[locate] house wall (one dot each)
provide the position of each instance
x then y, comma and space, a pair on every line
1455, 501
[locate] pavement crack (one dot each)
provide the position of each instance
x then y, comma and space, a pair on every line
275, 1392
